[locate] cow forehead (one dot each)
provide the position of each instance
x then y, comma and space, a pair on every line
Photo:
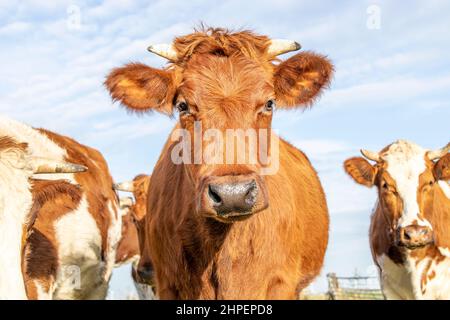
405, 162
209, 77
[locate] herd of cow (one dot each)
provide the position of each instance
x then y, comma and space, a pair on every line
211, 230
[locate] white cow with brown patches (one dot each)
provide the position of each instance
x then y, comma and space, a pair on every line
410, 226
17, 166
71, 221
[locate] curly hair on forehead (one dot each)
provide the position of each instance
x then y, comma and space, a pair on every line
222, 42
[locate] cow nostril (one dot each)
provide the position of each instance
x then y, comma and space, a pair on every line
213, 195
414, 236
252, 192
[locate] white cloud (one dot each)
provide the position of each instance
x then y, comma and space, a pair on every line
387, 65
321, 147
113, 130
14, 28
400, 91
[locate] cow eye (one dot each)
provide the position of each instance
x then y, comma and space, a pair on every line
270, 105
183, 107
388, 188
428, 185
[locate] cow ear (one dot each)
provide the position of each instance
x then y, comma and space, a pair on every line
141, 88
361, 171
300, 79
442, 168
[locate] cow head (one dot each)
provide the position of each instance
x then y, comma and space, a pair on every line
128, 247
137, 211
227, 84
407, 179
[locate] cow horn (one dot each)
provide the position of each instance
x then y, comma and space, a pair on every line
374, 156
124, 186
164, 50
44, 165
436, 154
280, 46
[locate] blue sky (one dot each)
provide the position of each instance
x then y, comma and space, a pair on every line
391, 82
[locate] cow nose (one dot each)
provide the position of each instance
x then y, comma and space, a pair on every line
238, 197
415, 236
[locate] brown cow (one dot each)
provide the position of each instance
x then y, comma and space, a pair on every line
223, 231
73, 226
128, 247
410, 226
132, 242
17, 165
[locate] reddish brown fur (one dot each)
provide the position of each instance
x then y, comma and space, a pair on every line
128, 247
221, 42
148, 80
141, 188
132, 230
271, 255
226, 79
436, 205
315, 74
360, 170
442, 168
141, 184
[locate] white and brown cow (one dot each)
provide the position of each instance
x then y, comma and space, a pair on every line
132, 246
73, 226
410, 226
128, 247
17, 165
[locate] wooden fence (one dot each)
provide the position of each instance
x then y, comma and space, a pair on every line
348, 288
